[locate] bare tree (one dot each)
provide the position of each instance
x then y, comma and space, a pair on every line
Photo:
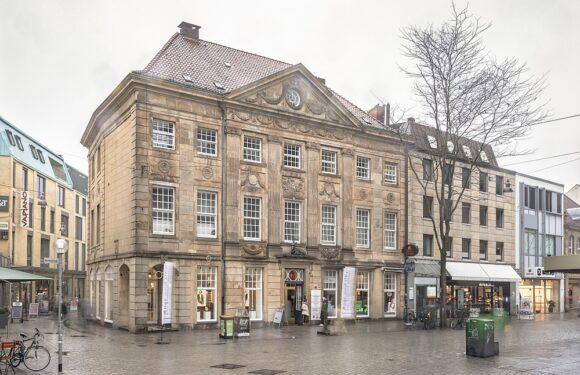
467, 97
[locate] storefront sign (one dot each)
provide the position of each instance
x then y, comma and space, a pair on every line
348, 292
4, 201
294, 275
315, 304
24, 207
485, 284
411, 293
167, 289
3, 225
278, 313
16, 310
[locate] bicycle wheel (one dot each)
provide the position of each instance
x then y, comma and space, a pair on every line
36, 358
18, 355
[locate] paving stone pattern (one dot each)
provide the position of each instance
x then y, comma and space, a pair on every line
548, 345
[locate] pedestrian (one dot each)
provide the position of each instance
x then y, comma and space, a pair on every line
305, 311
570, 296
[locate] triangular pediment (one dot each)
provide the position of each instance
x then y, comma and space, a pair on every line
297, 92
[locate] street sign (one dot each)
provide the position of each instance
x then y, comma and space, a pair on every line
50, 260
409, 265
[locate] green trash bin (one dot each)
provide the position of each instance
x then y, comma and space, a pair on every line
227, 326
479, 338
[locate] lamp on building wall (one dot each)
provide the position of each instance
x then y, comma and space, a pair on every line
61, 246
508, 187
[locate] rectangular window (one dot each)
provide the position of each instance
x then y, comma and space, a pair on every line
483, 215
163, 135
253, 293
206, 301
449, 247
43, 218
60, 196
98, 225
483, 182
530, 197
363, 168
252, 218
19, 142
84, 208
44, 251
77, 205
549, 202
163, 205
329, 161
83, 257
98, 159
499, 185
328, 225
448, 174
390, 231
206, 214
329, 289
292, 221
52, 220
78, 228
29, 244
77, 255
465, 248
33, 151
427, 169
362, 228
466, 178
206, 142
499, 251
291, 156
252, 149
466, 213
64, 225
427, 245
40, 187
24, 179
390, 294
361, 304
550, 246
10, 137
427, 207
482, 250
499, 217
390, 173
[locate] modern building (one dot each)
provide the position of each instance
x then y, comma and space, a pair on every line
481, 256
255, 180
539, 233
572, 246
41, 199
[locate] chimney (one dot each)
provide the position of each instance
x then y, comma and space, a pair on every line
189, 30
410, 120
381, 113
388, 114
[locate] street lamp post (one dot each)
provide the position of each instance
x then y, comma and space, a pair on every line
61, 246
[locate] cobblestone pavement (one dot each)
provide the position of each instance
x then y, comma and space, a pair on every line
548, 345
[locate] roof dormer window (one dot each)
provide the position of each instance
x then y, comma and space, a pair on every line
467, 151
450, 146
483, 156
19, 142
432, 141
40, 156
33, 151
10, 137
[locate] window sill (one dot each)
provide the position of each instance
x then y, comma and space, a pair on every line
209, 239
252, 239
294, 170
207, 321
364, 180
323, 174
255, 163
206, 156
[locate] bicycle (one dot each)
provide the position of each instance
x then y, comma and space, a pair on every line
409, 317
461, 316
6, 356
34, 356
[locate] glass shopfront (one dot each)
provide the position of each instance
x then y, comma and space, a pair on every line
541, 293
390, 294
485, 296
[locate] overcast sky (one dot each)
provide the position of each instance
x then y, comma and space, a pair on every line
60, 59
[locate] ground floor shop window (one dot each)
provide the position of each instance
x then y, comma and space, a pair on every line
329, 291
109, 276
253, 293
361, 304
206, 294
390, 294
540, 295
97, 293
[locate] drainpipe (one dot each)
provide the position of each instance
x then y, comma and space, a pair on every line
222, 108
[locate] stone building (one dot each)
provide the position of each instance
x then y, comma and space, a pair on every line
253, 178
41, 199
481, 255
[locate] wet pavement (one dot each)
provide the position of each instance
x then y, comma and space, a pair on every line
548, 345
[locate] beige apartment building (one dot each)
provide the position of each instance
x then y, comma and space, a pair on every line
481, 257
257, 182
41, 199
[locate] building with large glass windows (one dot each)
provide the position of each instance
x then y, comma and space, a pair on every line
254, 179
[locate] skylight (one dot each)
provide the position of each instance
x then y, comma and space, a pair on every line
187, 78
219, 85
432, 141
227, 64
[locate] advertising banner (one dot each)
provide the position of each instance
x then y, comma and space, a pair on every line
348, 292
315, 304
4, 203
167, 289
24, 207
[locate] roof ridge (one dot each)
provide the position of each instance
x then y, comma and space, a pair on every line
249, 53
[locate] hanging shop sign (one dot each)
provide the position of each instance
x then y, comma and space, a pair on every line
24, 207
410, 250
294, 275
4, 203
348, 292
166, 297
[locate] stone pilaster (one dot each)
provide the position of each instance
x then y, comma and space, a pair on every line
232, 157
312, 216
274, 178
347, 194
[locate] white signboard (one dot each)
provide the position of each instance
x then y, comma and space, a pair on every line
348, 292
167, 288
315, 304
24, 207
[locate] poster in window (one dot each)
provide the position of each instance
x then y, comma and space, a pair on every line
166, 302
201, 298
348, 293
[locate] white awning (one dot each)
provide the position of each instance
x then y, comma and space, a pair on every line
466, 271
482, 272
501, 273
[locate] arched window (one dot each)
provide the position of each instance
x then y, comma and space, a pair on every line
92, 288
109, 276
99, 277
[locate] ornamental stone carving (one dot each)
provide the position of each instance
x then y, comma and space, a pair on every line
207, 173
163, 166
348, 152
232, 130
313, 146
328, 189
363, 194
251, 182
253, 248
292, 187
390, 198
330, 253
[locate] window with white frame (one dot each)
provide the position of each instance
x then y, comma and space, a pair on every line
206, 142
432, 141
292, 155
329, 290
390, 291
328, 161
206, 301
362, 227
252, 149
253, 293
363, 168
109, 276
467, 151
60, 196
362, 294
390, 173
252, 218
98, 293
390, 228
291, 221
206, 214
328, 225
163, 134
163, 205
